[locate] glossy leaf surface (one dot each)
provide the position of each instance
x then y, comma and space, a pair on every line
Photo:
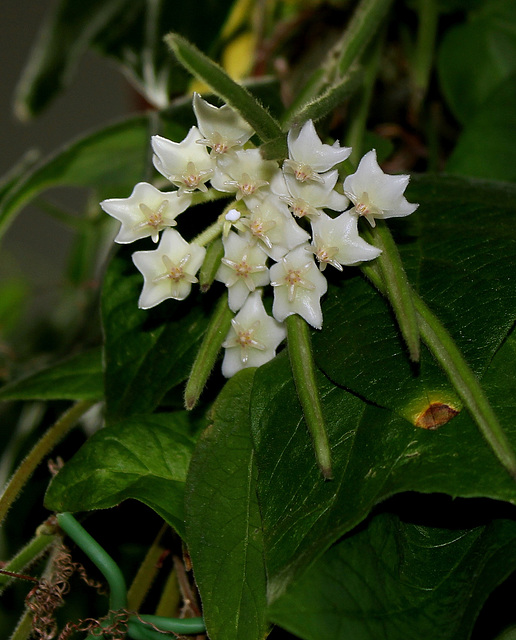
77, 378
395, 579
145, 458
146, 352
227, 549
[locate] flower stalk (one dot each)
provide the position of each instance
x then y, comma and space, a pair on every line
303, 370
446, 352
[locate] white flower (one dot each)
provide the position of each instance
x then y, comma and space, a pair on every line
271, 225
242, 270
146, 212
223, 128
298, 287
186, 164
307, 199
243, 173
253, 338
336, 241
376, 194
308, 156
169, 271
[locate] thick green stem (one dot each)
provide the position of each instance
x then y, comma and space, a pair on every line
41, 449
303, 371
218, 328
101, 559
397, 287
446, 352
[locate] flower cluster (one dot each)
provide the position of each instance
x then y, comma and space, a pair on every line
263, 225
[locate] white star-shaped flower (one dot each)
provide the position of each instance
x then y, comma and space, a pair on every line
243, 269
375, 194
146, 212
253, 338
308, 156
298, 287
308, 199
223, 129
272, 227
186, 164
244, 173
168, 271
336, 241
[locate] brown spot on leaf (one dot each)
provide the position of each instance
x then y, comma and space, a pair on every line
435, 415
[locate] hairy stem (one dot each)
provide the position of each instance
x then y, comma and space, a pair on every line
41, 449
303, 370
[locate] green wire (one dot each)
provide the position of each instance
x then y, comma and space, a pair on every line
118, 590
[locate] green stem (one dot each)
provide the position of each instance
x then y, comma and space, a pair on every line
364, 24
398, 289
23, 629
361, 29
428, 12
446, 352
465, 382
209, 234
99, 557
217, 331
303, 371
176, 625
355, 138
25, 556
118, 591
40, 450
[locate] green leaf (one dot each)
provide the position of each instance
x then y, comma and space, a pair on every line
223, 526
116, 155
459, 251
146, 353
232, 93
484, 149
112, 159
375, 455
79, 377
394, 579
67, 34
145, 458
474, 58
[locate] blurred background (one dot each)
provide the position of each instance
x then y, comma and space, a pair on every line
36, 246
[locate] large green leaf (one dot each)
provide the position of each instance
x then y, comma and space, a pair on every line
484, 149
77, 378
460, 254
145, 458
223, 526
375, 455
394, 579
146, 353
476, 56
